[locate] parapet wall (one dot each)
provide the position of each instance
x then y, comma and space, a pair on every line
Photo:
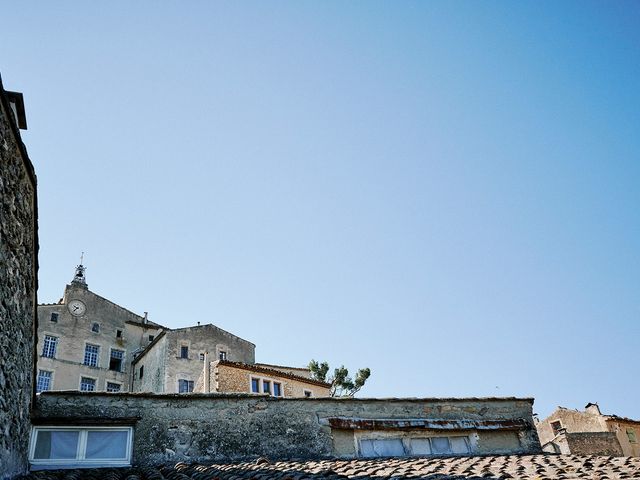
222, 427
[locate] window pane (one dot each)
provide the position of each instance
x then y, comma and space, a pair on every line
266, 386
184, 352
420, 446
91, 355
459, 445
106, 445
255, 385
44, 381
386, 447
113, 387
277, 389
440, 445
56, 444
87, 384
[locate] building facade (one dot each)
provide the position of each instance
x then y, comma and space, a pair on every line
174, 361
87, 343
589, 432
18, 285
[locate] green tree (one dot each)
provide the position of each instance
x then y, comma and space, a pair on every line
342, 385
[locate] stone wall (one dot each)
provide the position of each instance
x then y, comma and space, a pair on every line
571, 421
218, 427
231, 378
619, 427
594, 443
18, 286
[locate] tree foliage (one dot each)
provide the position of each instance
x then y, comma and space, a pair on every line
342, 385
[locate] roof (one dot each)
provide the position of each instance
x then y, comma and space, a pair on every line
273, 372
522, 467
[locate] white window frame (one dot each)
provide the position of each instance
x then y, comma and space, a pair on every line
52, 372
80, 460
408, 447
84, 355
92, 378
261, 381
122, 363
107, 382
55, 345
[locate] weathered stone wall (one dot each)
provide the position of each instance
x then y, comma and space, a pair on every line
572, 421
594, 443
75, 332
619, 427
228, 378
153, 362
218, 427
18, 270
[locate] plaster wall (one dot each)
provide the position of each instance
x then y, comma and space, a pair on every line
619, 428
219, 427
572, 421
75, 332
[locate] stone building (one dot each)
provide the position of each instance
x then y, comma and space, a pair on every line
175, 360
277, 381
18, 285
589, 432
87, 343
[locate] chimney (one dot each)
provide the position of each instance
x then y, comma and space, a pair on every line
592, 408
198, 323
146, 317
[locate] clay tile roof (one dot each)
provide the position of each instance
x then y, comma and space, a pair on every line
522, 467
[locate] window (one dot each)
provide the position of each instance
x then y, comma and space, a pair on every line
91, 355
151, 337
222, 355
556, 427
113, 387
398, 447
308, 393
185, 386
118, 333
142, 371
90, 446
54, 317
115, 362
50, 345
95, 328
87, 384
201, 356
44, 381
184, 351
631, 435
265, 385
277, 389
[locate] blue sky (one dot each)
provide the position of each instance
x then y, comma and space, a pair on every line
445, 192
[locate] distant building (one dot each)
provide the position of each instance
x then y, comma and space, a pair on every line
87, 343
589, 432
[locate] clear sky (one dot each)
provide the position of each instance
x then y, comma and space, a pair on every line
445, 192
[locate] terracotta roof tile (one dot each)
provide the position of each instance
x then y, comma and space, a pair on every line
525, 467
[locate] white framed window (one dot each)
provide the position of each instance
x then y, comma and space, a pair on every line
266, 385
116, 360
87, 384
185, 386
50, 346
391, 446
44, 381
91, 354
53, 447
113, 387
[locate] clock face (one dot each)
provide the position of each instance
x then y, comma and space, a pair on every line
77, 308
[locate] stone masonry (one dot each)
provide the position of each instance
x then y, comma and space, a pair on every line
18, 286
215, 427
